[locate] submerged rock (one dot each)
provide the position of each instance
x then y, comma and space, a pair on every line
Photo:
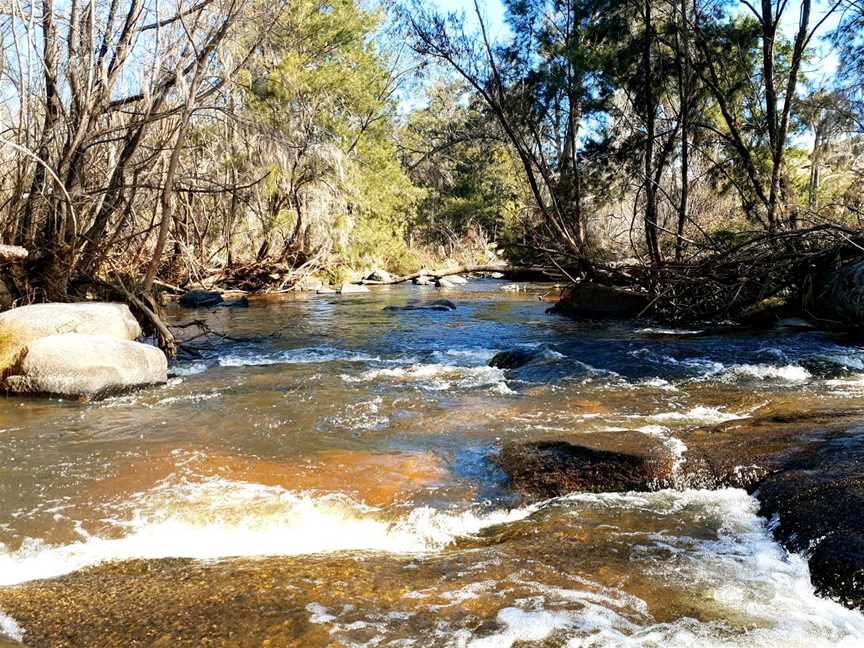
595, 300
807, 471
240, 302
514, 358
555, 468
91, 366
200, 299
434, 305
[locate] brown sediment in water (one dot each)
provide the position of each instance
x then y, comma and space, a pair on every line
376, 479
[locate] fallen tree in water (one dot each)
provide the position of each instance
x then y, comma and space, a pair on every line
816, 272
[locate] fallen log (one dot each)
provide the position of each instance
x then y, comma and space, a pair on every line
503, 268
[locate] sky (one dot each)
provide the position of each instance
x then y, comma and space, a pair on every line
492, 10
822, 68
820, 71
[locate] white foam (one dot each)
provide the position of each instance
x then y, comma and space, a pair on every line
478, 356
305, 355
675, 445
698, 414
10, 629
740, 569
521, 625
669, 331
219, 519
437, 377
787, 373
188, 369
318, 614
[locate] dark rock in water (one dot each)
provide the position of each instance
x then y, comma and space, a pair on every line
817, 509
242, 302
806, 470
200, 299
554, 468
434, 305
514, 358
591, 300
379, 275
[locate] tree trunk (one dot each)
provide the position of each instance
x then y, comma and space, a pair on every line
650, 118
684, 95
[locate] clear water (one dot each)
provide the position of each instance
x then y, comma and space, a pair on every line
335, 436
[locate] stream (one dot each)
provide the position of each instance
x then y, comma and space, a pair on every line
323, 478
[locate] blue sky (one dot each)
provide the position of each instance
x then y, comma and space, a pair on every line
493, 12
821, 70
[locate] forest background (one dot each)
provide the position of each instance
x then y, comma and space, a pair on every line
150, 143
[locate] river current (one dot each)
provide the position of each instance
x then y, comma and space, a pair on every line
327, 469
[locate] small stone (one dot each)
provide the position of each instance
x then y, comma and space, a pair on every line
349, 289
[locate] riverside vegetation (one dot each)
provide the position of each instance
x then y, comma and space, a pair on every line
356, 430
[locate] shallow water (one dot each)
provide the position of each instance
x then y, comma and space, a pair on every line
345, 448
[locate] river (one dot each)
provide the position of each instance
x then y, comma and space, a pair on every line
323, 478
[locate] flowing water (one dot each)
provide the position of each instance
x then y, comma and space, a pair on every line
328, 471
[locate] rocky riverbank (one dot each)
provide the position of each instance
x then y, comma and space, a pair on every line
806, 470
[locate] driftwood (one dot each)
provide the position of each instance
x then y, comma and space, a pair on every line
503, 268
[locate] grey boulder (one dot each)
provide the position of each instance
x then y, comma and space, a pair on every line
89, 366
28, 323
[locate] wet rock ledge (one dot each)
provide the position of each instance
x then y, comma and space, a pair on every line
806, 471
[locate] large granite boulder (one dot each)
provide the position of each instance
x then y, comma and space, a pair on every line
89, 318
89, 366
21, 326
